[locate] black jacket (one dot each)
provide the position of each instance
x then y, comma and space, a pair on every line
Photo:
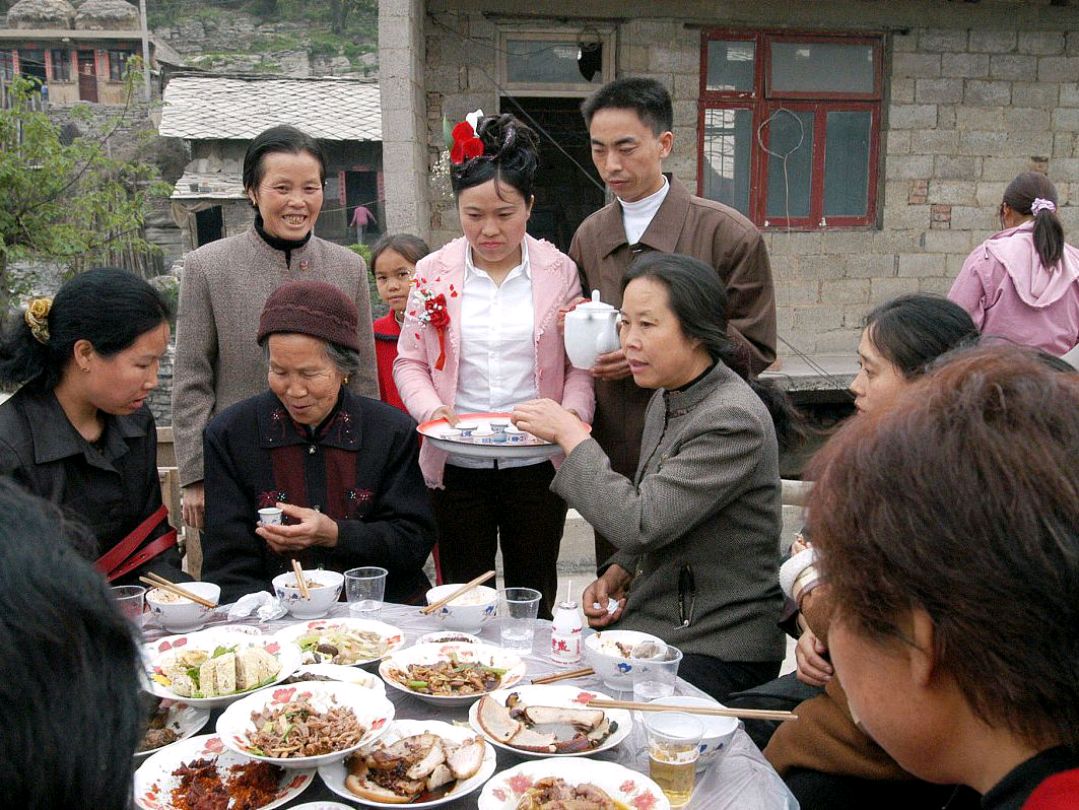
108, 487
360, 469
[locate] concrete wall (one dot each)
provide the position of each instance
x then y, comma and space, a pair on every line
974, 94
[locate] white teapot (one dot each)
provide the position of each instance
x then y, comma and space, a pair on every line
591, 330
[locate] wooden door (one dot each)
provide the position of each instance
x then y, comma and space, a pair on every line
87, 76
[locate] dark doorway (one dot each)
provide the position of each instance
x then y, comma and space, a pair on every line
361, 188
565, 193
209, 225
87, 76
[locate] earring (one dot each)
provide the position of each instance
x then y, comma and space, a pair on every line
345, 381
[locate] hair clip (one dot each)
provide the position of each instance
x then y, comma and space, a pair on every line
37, 318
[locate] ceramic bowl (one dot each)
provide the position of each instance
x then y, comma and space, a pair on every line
179, 615
322, 598
718, 731
469, 612
609, 662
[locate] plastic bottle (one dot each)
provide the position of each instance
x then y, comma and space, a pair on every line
566, 634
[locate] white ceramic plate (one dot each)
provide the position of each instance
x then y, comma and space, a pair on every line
186, 720
336, 672
464, 652
555, 695
472, 437
334, 775
374, 713
391, 636
154, 781
156, 654
633, 789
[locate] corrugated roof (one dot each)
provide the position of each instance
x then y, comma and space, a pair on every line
218, 107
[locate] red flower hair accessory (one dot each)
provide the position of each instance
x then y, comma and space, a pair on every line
465, 144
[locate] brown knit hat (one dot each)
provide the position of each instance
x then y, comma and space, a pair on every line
312, 308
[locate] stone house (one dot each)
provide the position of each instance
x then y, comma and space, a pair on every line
217, 116
79, 55
871, 142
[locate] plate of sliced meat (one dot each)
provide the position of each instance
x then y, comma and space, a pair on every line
421, 763
583, 784
549, 721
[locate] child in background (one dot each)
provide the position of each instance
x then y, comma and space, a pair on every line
393, 261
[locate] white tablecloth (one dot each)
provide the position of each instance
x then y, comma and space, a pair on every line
742, 779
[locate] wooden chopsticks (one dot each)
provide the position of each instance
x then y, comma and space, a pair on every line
300, 582
158, 581
427, 611
712, 711
563, 676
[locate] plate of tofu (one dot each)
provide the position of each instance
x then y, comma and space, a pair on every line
214, 667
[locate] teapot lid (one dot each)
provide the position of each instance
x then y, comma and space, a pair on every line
595, 305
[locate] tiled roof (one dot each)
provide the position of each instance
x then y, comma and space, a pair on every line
228, 107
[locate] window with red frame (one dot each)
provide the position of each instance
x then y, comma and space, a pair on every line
790, 127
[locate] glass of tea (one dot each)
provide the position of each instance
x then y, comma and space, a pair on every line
673, 739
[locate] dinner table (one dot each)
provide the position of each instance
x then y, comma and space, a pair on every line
740, 779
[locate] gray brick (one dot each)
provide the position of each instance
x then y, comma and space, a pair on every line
1066, 167
901, 240
982, 143
844, 242
987, 93
901, 91
1013, 66
946, 116
920, 264
935, 285
989, 193
1058, 68
916, 66
1004, 168
838, 341
952, 192
912, 116
984, 118
1029, 119
845, 291
1066, 118
983, 41
1063, 144
874, 265
817, 319
913, 167
934, 141
1069, 95
946, 40
941, 241
938, 91
795, 243
904, 43
955, 168
1029, 144
964, 65
1033, 94
975, 218
797, 293
906, 217
898, 142
885, 289
1041, 43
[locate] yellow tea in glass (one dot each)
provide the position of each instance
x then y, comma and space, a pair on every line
673, 738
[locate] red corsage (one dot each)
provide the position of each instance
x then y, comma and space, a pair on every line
465, 144
435, 313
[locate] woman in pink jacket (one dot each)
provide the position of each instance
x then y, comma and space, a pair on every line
1022, 284
481, 335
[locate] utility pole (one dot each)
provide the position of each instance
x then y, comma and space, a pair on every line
145, 50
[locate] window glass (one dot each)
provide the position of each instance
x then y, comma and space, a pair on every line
790, 164
730, 65
727, 141
846, 164
7, 65
61, 65
538, 61
821, 67
118, 64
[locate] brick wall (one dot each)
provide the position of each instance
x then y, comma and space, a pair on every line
967, 109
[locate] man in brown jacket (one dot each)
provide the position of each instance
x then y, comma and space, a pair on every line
629, 124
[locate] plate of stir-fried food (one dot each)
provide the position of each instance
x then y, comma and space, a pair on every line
305, 725
346, 641
583, 784
200, 773
453, 674
170, 721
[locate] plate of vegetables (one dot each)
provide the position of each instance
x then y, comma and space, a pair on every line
454, 674
345, 641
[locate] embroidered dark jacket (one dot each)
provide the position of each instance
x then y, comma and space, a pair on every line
109, 487
360, 468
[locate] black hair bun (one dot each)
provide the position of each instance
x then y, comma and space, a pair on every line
504, 137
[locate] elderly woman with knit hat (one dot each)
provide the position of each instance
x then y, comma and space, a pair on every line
342, 468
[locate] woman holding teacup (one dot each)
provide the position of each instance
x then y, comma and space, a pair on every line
341, 468
697, 528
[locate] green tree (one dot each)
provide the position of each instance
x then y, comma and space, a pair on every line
73, 204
